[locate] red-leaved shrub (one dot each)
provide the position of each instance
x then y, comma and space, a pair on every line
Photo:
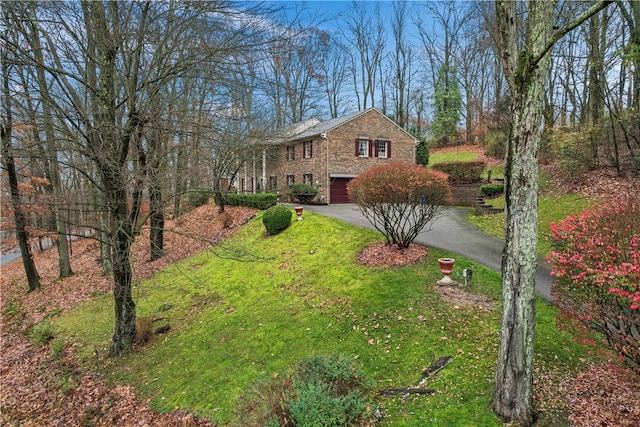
596, 263
400, 199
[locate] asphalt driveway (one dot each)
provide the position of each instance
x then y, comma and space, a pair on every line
451, 233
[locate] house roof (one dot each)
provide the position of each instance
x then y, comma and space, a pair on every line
323, 127
291, 132
329, 125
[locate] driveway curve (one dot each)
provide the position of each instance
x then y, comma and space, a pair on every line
451, 232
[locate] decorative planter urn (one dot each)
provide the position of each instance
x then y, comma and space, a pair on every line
446, 268
298, 212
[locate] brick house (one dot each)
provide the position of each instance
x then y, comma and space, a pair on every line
329, 154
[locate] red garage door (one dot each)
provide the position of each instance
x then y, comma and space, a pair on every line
339, 190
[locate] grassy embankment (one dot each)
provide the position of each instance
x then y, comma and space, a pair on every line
247, 312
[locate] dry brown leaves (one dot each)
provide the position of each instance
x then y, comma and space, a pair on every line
38, 389
459, 297
382, 254
606, 395
603, 183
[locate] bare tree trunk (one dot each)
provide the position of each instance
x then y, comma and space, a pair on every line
125, 308
513, 399
526, 69
33, 280
156, 204
103, 233
110, 152
64, 263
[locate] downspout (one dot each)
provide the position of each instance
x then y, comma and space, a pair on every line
327, 187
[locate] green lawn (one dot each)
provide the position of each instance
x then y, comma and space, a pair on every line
243, 314
464, 156
551, 208
455, 156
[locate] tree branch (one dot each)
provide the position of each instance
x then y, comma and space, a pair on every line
597, 7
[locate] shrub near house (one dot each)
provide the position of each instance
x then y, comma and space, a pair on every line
400, 199
302, 192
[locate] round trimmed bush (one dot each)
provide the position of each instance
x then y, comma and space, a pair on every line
277, 218
492, 190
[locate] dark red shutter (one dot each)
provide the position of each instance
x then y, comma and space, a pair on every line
389, 149
370, 148
310, 148
357, 147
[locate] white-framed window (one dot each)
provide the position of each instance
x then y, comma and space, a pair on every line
290, 179
308, 178
307, 149
291, 152
362, 146
382, 150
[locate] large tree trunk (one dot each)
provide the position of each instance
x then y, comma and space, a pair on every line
513, 394
125, 308
110, 149
513, 398
526, 67
33, 280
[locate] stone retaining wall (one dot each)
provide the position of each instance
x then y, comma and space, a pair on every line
465, 194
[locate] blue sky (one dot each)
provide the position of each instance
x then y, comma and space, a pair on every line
329, 11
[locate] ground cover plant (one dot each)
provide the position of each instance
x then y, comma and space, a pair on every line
247, 318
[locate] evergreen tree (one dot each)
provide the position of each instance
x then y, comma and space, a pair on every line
447, 104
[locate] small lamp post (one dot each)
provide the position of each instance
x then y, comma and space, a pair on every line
446, 268
467, 273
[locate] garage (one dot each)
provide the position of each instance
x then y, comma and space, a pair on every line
338, 190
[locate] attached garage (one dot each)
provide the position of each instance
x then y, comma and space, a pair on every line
338, 190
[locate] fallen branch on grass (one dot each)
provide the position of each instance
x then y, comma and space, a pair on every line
418, 388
